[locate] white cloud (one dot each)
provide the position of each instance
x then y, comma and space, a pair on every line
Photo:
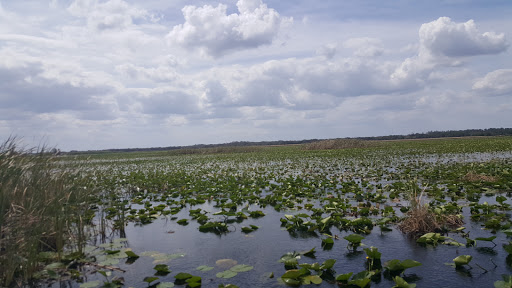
443, 37
365, 47
157, 74
328, 51
498, 82
442, 43
216, 33
109, 15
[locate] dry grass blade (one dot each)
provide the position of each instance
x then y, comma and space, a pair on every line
420, 220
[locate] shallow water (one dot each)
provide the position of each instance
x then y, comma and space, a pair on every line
263, 248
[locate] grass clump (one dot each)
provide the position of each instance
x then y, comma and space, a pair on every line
42, 206
420, 219
337, 144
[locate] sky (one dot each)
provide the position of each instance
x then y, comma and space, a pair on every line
100, 74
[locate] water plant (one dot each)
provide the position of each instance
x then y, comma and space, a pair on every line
354, 241
43, 207
505, 283
397, 267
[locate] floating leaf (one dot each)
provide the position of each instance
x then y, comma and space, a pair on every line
183, 276
241, 268
165, 285
488, 239
226, 263
328, 264
327, 241
109, 262
312, 279
462, 260
344, 277
204, 268
506, 283
150, 279
162, 269
310, 253
247, 229
131, 255
354, 238
401, 283
373, 253
226, 274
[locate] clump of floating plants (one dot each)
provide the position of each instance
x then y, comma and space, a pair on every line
420, 219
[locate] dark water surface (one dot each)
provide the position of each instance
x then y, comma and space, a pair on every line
263, 248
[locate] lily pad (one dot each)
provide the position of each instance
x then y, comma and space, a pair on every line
204, 268
462, 260
354, 238
90, 284
226, 274
226, 263
241, 268
312, 279
183, 276
165, 285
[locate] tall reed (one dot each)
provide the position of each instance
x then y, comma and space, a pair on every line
42, 205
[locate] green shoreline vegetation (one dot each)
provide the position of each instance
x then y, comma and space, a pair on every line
51, 206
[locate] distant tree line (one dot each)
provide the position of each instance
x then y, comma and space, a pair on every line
430, 134
444, 134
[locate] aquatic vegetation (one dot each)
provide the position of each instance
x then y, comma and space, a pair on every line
314, 197
396, 267
505, 283
462, 260
401, 283
354, 241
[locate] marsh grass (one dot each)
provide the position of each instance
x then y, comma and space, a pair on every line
42, 208
475, 177
338, 144
420, 219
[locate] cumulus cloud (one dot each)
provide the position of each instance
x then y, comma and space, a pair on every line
165, 101
28, 87
441, 44
158, 74
109, 15
443, 37
328, 51
296, 84
497, 83
216, 33
365, 47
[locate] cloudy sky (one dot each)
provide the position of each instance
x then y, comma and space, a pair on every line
97, 74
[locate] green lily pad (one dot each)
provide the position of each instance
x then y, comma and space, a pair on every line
344, 277
165, 285
354, 238
241, 268
328, 264
150, 279
204, 268
401, 283
131, 255
462, 260
226, 274
183, 276
312, 279
109, 262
